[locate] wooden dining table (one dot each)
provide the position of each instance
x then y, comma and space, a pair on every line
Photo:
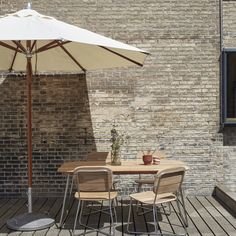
130, 167
126, 167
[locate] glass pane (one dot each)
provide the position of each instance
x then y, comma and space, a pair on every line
231, 85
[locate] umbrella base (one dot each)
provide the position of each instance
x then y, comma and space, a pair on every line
30, 222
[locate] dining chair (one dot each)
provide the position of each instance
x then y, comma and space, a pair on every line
95, 184
144, 180
94, 157
102, 157
166, 188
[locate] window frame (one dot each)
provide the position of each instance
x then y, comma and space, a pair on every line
224, 119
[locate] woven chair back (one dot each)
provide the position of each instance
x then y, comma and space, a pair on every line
93, 179
169, 180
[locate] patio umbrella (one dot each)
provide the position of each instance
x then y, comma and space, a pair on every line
32, 40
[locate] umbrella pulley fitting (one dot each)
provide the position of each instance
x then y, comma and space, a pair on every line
28, 55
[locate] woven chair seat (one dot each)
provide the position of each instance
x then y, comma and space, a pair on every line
95, 196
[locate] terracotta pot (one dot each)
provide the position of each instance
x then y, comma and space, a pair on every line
147, 159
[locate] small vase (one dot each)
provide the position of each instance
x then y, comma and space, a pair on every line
116, 157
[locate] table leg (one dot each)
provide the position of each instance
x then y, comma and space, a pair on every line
64, 200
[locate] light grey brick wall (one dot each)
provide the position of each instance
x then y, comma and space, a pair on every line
229, 133
172, 102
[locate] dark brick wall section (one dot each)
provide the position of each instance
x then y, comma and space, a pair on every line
62, 130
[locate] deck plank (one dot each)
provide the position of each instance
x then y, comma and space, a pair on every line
121, 213
164, 221
119, 223
201, 226
225, 214
15, 207
106, 222
49, 209
97, 220
21, 210
192, 230
2, 203
55, 213
175, 221
221, 221
139, 223
38, 204
206, 217
68, 224
124, 217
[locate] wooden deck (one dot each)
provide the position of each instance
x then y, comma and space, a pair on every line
205, 215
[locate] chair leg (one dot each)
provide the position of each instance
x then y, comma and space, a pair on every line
129, 214
91, 229
111, 216
76, 216
64, 201
184, 221
169, 208
184, 218
114, 208
81, 211
154, 218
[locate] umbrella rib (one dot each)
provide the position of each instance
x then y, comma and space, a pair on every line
120, 55
57, 43
33, 45
10, 47
50, 45
18, 44
13, 61
68, 53
45, 47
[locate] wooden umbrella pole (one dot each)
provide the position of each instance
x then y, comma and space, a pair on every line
29, 221
29, 124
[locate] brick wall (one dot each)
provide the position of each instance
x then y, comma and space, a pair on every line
172, 102
229, 133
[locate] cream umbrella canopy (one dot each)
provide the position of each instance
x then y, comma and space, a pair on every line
50, 43
29, 39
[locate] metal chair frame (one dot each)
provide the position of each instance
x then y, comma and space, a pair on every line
93, 156
179, 195
111, 208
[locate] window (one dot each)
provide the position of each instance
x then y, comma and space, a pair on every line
229, 86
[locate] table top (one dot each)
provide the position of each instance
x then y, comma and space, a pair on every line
126, 167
